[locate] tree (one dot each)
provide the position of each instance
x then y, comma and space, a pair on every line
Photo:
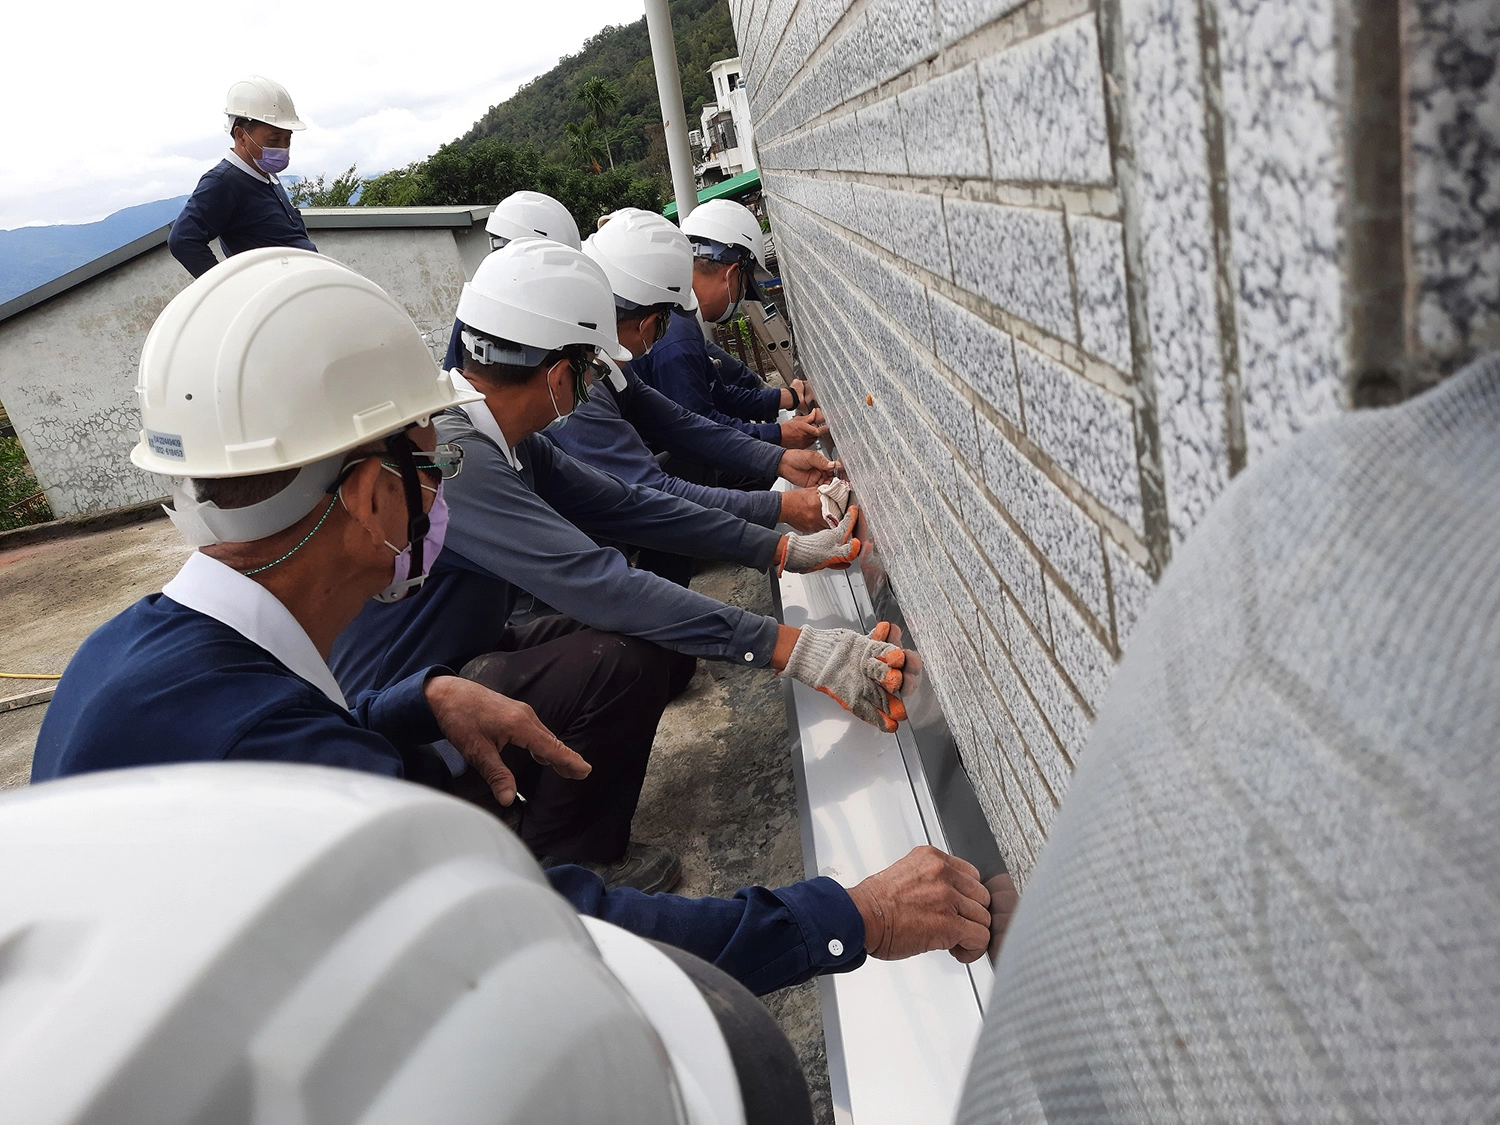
586, 142
314, 193
598, 95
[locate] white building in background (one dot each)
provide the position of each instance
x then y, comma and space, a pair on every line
726, 139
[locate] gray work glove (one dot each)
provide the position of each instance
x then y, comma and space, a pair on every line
837, 548
860, 673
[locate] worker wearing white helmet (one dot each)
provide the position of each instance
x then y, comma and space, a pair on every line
727, 246
649, 264
240, 201
526, 517
521, 214
294, 397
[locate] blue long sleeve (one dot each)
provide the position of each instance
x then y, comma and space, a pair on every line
610, 432
740, 392
680, 368
243, 213
765, 939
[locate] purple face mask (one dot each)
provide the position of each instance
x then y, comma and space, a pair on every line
273, 160
402, 583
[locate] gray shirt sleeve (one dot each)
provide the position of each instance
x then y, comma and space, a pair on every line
501, 524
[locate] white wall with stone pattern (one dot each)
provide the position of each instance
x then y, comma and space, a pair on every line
68, 365
1059, 269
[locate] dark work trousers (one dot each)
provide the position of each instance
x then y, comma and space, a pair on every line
674, 568
602, 694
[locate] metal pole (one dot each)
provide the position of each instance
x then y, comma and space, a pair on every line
673, 112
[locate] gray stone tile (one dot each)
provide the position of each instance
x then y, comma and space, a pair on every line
944, 127
1044, 106
880, 136
1065, 713
1010, 557
1131, 587
1283, 156
900, 34
1086, 430
953, 413
1082, 656
1015, 257
959, 17
978, 352
908, 223
1066, 537
1099, 267
1166, 110
1453, 89
1041, 745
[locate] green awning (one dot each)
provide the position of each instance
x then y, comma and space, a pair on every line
735, 185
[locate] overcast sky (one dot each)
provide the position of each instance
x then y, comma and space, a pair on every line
112, 105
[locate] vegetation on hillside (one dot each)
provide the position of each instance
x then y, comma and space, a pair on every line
17, 484
588, 131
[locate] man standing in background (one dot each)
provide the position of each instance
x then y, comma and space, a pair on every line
240, 201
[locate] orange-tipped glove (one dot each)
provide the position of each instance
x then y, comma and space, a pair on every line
861, 673
837, 548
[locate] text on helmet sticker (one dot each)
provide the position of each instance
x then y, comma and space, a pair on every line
165, 445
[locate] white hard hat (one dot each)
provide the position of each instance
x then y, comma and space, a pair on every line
277, 358
541, 295
261, 99
531, 214
270, 942
647, 259
727, 223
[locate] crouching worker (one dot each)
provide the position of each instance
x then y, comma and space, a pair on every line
601, 672
295, 395
649, 263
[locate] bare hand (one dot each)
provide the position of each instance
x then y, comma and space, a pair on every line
927, 900
802, 509
1003, 900
480, 723
807, 468
804, 431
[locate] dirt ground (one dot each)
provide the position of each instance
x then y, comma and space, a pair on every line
719, 790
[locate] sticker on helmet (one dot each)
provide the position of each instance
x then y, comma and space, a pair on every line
165, 445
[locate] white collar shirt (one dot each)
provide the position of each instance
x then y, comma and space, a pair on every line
483, 419
215, 590
250, 169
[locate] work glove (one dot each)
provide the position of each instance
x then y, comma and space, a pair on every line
837, 548
860, 673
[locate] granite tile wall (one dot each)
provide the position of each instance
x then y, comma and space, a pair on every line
1059, 269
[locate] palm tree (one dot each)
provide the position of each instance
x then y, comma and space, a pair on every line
586, 142
599, 96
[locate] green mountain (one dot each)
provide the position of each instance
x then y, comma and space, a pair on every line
523, 142
538, 112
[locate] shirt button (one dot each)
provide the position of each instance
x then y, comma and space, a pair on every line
836, 947
749, 656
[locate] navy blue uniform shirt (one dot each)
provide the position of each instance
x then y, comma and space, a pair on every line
528, 529
612, 432
162, 683
707, 380
238, 209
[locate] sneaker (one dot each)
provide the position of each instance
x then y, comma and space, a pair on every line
651, 868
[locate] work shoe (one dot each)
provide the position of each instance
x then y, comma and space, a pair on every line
651, 868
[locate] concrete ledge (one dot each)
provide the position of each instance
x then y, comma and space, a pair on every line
29, 698
78, 525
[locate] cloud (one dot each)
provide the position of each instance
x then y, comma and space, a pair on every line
138, 115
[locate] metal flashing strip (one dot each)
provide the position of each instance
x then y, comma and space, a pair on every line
899, 1034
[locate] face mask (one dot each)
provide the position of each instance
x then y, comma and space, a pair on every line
561, 420
734, 309
402, 584
273, 160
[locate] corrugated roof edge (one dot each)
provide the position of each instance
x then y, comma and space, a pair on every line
317, 218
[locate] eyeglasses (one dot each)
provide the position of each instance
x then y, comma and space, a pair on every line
445, 461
